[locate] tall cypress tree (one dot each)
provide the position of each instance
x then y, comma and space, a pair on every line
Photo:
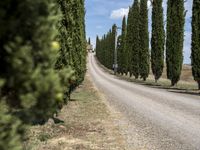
28, 57
79, 41
73, 40
195, 56
112, 42
119, 54
144, 41
158, 40
135, 46
128, 42
175, 37
124, 55
97, 47
29, 83
89, 41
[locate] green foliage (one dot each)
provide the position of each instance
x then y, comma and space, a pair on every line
175, 37
129, 39
158, 40
72, 39
134, 44
105, 48
195, 56
10, 130
144, 41
119, 54
89, 41
42, 58
122, 54
29, 55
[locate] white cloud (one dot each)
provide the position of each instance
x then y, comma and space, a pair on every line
119, 13
99, 27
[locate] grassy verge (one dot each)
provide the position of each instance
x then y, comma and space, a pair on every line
87, 125
186, 85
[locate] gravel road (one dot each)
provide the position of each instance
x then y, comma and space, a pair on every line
152, 118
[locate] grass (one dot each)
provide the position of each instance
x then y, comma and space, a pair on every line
186, 84
87, 125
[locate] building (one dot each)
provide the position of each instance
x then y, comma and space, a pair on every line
90, 48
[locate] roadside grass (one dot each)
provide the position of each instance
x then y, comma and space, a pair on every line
163, 83
88, 124
186, 84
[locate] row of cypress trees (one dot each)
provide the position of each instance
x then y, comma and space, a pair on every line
105, 48
133, 44
42, 59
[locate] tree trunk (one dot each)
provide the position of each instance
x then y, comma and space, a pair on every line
156, 80
198, 84
173, 83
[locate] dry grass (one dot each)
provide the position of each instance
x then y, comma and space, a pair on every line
88, 125
186, 84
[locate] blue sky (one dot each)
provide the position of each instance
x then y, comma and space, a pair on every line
102, 14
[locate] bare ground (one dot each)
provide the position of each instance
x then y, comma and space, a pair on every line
88, 125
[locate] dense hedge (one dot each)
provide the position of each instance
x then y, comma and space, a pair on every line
42, 57
105, 48
195, 56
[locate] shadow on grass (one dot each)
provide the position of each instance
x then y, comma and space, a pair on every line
180, 90
193, 92
57, 120
73, 100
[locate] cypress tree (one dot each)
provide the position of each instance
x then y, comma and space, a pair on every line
32, 80
73, 41
129, 39
158, 40
89, 42
79, 44
97, 48
195, 56
112, 42
175, 37
28, 56
144, 41
105, 48
135, 46
123, 48
119, 54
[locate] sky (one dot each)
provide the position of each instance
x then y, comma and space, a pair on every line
102, 14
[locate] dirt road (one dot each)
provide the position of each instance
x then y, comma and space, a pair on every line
152, 118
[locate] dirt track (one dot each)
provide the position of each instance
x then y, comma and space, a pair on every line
152, 118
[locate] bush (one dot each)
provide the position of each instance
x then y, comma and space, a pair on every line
10, 130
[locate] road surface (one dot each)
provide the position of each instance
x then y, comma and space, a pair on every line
152, 118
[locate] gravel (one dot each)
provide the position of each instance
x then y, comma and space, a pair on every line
152, 118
